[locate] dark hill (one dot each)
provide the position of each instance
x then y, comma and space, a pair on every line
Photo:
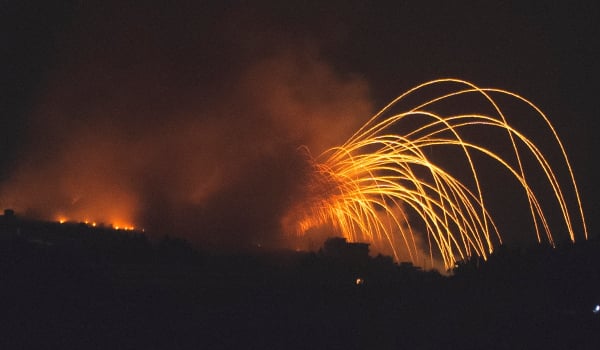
71, 286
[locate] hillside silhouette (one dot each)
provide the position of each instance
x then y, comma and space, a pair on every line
76, 286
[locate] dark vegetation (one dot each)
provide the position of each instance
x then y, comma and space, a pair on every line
73, 286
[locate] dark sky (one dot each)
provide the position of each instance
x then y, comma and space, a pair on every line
187, 113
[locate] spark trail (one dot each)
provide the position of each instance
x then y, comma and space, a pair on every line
369, 187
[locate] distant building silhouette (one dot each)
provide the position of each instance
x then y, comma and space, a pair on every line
340, 248
8, 222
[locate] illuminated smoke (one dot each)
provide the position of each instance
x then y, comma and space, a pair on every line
219, 174
187, 127
191, 126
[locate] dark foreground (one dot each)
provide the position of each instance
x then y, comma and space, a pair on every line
108, 291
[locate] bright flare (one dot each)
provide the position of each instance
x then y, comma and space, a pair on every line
366, 188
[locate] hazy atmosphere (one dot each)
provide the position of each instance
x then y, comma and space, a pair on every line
185, 118
217, 175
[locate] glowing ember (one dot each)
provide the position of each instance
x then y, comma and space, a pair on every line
366, 187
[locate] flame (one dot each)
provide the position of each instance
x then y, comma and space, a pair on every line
121, 225
366, 187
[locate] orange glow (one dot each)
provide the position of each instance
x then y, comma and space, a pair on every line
90, 166
117, 225
123, 226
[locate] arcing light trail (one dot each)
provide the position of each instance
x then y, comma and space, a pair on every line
366, 188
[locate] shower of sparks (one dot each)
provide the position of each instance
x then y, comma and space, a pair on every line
366, 188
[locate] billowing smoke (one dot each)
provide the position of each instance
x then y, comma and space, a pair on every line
182, 125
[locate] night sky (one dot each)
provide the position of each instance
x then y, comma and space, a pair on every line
187, 114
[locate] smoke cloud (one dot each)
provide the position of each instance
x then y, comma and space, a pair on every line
181, 122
